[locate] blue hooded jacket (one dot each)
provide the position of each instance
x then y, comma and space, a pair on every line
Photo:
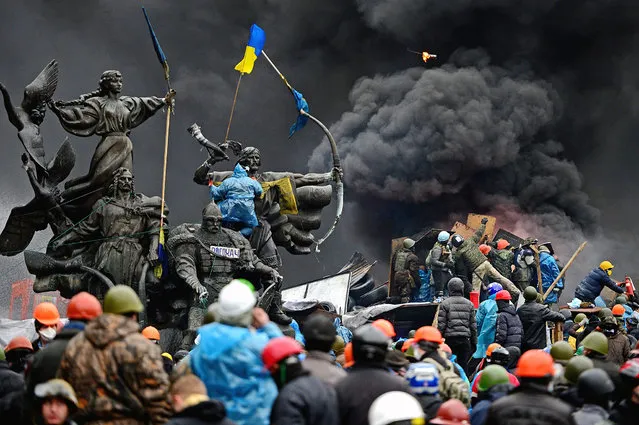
486, 318
549, 272
229, 362
235, 197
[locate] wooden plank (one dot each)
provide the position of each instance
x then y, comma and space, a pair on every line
474, 222
463, 230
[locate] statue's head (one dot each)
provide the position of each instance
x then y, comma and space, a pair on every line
122, 181
111, 82
37, 113
211, 218
250, 158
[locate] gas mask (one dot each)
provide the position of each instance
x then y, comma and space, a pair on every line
47, 334
609, 272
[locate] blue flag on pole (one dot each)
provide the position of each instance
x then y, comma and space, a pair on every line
302, 105
156, 45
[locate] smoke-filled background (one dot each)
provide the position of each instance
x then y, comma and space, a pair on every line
528, 113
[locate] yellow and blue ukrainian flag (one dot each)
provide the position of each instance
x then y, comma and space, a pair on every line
257, 37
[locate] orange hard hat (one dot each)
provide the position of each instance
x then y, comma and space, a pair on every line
18, 342
406, 345
485, 249
618, 310
446, 348
535, 364
492, 347
84, 306
502, 244
386, 327
47, 314
349, 360
151, 333
428, 333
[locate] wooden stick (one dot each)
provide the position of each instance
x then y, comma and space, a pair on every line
166, 157
565, 269
237, 89
540, 288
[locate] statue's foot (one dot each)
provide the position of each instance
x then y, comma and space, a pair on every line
278, 316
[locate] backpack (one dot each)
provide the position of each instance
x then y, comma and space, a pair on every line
451, 385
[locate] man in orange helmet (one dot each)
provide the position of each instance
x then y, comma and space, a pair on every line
46, 318
11, 390
18, 351
83, 307
152, 334
532, 401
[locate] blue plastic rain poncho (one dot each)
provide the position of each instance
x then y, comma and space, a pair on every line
229, 362
299, 337
423, 293
343, 331
235, 197
486, 319
549, 272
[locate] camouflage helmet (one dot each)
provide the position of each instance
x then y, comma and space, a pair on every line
492, 375
597, 342
530, 293
580, 318
121, 299
575, 367
621, 299
561, 352
605, 312
56, 388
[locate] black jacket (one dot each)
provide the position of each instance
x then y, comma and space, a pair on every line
484, 400
209, 412
528, 404
590, 288
360, 388
456, 318
45, 363
305, 401
11, 392
509, 330
626, 413
533, 318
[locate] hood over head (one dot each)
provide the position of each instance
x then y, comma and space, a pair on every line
455, 286
239, 171
107, 328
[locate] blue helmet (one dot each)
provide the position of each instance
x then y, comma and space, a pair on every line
423, 378
493, 288
443, 237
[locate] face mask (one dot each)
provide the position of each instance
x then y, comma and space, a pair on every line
47, 334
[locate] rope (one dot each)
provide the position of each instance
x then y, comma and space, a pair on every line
104, 202
61, 204
237, 89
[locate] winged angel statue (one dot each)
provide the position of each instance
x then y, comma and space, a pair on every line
44, 176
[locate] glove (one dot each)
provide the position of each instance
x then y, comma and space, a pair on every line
484, 220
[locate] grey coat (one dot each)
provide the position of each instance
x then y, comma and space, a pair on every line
456, 318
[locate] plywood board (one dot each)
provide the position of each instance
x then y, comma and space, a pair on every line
474, 222
463, 230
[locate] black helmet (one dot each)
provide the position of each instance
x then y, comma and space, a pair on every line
457, 240
594, 386
369, 345
499, 356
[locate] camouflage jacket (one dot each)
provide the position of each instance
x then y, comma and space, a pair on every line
117, 374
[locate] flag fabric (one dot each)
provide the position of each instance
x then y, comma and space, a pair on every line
302, 105
163, 266
156, 46
257, 37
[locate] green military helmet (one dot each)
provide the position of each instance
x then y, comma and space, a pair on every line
492, 375
605, 312
575, 367
121, 299
621, 299
411, 333
338, 345
561, 352
2, 355
530, 293
597, 342
580, 317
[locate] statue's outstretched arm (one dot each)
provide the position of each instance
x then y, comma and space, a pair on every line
11, 112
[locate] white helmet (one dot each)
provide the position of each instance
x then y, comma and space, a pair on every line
236, 300
393, 407
443, 236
